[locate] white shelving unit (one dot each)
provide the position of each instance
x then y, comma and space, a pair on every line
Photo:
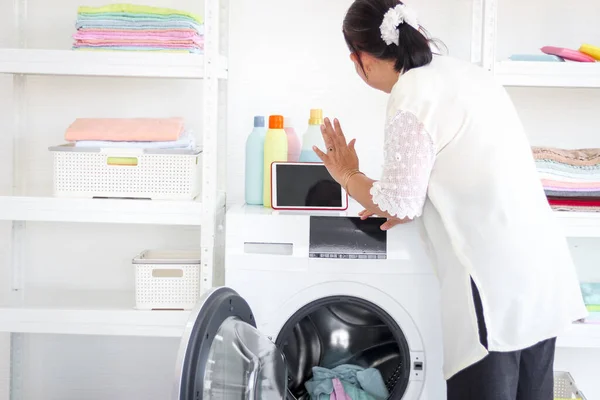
582, 336
580, 224
89, 313
73, 63
52, 209
548, 75
521, 73
108, 313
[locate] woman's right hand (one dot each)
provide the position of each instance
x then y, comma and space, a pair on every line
389, 224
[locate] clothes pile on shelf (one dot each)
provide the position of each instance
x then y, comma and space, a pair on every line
138, 133
346, 382
571, 178
591, 297
129, 27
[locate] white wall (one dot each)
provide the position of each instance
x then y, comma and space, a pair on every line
289, 56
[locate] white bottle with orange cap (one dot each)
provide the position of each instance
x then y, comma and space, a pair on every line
276, 150
313, 137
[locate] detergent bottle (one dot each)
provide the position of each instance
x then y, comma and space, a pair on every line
276, 149
255, 149
293, 141
313, 137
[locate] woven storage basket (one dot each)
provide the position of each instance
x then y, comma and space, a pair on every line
167, 280
565, 387
126, 173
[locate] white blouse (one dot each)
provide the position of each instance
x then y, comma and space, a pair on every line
457, 155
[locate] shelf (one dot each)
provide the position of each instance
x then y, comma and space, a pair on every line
104, 63
548, 74
580, 224
585, 336
89, 313
56, 209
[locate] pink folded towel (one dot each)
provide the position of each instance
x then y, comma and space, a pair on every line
560, 185
135, 42
125, 33
125, 129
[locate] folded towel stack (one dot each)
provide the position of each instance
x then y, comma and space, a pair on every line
571, 178
129, 27
591, 298
138, 133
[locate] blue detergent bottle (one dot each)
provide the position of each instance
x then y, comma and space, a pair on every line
255, 153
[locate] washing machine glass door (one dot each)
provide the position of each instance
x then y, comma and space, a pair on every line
223, 356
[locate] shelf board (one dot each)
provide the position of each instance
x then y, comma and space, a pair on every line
89, 313
105, 63
585, 336
548, 74
580, 224
116, 211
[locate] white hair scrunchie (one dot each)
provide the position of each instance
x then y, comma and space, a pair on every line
401, 14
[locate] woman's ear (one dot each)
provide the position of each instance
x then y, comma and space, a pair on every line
368, 62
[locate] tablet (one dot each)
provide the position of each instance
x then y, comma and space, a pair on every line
305, 186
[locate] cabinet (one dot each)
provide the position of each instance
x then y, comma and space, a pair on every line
78, 282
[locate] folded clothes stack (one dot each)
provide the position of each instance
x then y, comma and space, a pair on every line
129, 27
571, 178
138, 133
591, 297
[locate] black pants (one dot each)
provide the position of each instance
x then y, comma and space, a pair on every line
519, 375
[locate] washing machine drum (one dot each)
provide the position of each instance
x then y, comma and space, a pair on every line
223, 356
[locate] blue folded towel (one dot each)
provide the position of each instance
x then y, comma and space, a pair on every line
591, 293
186, 142
135, 16
146, 23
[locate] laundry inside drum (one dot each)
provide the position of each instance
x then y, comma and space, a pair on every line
344, 331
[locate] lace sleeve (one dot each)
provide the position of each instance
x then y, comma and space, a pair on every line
409, 157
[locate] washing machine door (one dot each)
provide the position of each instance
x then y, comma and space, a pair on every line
223, 356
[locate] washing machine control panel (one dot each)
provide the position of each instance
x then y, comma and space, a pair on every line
347, 238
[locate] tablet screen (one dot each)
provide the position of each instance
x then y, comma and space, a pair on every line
306, 185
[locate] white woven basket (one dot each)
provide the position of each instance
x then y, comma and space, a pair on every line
127, 173
565, 387
167, 280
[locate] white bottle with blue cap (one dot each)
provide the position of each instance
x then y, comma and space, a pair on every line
255, 154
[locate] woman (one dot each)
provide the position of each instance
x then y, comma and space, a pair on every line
457, 155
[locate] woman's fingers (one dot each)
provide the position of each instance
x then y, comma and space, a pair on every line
339, 134
320, 154
351, 145
328, 133
389, 224
327, 138
364, 214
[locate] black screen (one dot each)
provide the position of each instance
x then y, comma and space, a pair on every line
347, 237
306, 185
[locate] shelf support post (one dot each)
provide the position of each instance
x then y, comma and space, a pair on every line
490, 33
477, 33
18, 184
210, 141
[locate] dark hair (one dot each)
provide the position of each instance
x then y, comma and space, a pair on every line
362, 34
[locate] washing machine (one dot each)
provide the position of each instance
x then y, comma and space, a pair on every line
306, 289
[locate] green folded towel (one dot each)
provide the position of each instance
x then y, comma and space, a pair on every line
137, 9
134, 16
593, 307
